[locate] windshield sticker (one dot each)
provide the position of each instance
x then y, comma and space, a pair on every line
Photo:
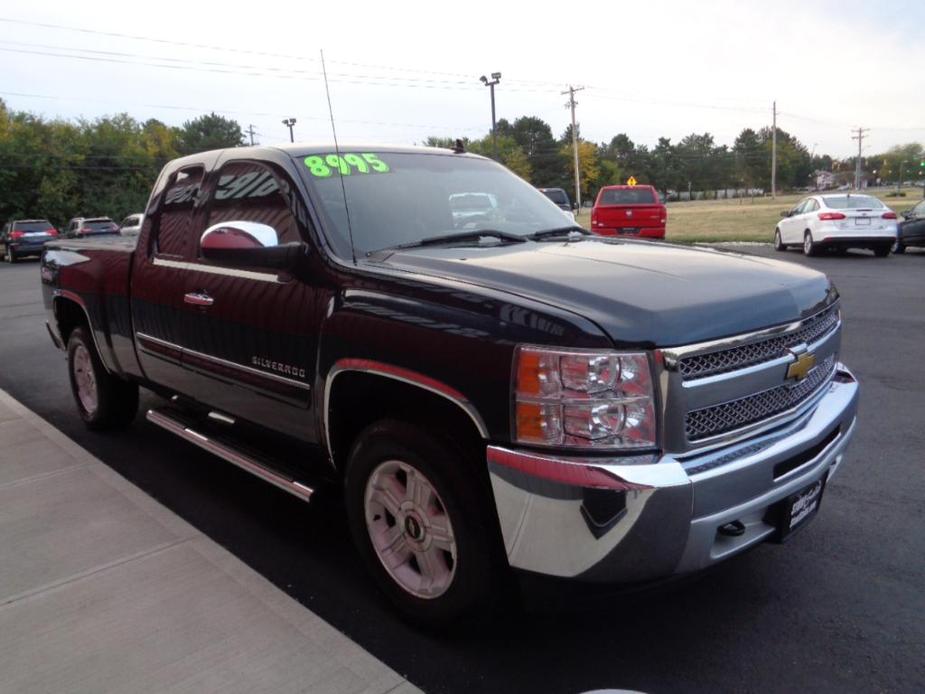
325, 165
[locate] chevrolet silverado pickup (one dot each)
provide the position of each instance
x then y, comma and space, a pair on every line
513, 395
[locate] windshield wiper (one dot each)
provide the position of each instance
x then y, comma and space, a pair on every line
494, 236
573, 231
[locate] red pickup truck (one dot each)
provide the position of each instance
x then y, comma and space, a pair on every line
629, 210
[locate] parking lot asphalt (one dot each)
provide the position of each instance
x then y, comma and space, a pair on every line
838, 608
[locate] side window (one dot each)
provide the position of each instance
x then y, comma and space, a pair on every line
811, 206
919, 210
173, 235
247, 191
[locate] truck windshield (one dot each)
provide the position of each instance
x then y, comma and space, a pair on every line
400, 198
627, 196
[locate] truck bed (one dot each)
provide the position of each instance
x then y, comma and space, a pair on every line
94, 274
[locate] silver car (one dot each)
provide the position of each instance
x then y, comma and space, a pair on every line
131, 225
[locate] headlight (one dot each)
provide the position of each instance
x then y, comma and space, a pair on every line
583, 398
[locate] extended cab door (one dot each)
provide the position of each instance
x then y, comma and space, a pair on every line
253, 332
159, 275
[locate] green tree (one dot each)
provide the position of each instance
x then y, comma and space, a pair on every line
209, 132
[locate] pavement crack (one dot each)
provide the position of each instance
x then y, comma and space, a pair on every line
54, 585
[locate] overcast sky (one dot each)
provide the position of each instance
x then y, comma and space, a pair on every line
400, 71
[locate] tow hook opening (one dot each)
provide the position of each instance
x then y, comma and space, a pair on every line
734, 528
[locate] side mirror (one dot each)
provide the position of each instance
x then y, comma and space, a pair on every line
574, 205
785, 213
248, 244
907, 214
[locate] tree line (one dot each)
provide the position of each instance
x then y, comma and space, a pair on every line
57, 169
695, 165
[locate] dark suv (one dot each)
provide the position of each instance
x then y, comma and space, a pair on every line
25, 237
90, 226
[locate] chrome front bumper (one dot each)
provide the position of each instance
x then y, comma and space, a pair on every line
619, 521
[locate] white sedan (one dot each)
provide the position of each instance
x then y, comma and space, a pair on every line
837, 221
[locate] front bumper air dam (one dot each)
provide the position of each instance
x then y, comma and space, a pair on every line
613, 520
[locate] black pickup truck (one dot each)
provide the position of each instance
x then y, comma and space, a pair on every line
500, 393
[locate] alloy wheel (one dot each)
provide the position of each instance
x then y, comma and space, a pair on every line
410, 529
85, 379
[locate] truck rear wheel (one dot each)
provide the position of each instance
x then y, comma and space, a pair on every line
103, 401
418, 518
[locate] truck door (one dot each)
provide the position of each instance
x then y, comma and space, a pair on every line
252, 332
159, 275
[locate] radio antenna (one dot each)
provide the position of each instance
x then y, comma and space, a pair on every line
343, 187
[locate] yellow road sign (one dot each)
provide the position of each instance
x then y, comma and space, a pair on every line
631, 181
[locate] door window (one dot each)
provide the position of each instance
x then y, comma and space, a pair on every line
174, 226
247, 191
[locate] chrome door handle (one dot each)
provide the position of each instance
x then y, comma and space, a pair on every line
198, 299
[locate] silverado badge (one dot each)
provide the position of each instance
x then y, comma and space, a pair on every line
799, 369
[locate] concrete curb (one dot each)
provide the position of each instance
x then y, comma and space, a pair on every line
320, 657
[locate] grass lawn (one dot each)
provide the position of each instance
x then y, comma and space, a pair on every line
744, 219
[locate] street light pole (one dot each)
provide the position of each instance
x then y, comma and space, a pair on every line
289, 122
495, 78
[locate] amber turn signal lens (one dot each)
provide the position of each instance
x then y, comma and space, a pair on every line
528, 373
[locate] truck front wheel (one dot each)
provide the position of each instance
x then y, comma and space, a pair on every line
103, 401
420, 523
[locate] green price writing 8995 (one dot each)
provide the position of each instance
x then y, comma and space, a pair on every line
325, 165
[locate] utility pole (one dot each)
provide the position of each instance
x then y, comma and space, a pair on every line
899, 183
289, 122
250, 131
572, 104
857, 167
495, 78
774, 151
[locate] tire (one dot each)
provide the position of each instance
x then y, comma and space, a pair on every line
899, 248
809, 248
451, 532
883, 250
779, 244
103, 400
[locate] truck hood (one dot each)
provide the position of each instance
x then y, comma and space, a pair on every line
637, 292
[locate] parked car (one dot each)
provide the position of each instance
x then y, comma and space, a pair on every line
911, 231
79, 227
131, 225
561, 200
25, 237
839, 222
472, 209
524, 396
629, 211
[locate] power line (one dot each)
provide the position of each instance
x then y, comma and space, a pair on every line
236, 111
239, 50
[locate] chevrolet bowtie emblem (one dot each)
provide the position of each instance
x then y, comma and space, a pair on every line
799, 369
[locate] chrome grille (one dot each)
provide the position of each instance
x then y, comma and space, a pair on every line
726, 360
719, 419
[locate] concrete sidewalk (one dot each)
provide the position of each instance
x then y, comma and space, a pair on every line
104, 590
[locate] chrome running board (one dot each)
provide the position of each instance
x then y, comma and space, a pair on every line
175, 424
